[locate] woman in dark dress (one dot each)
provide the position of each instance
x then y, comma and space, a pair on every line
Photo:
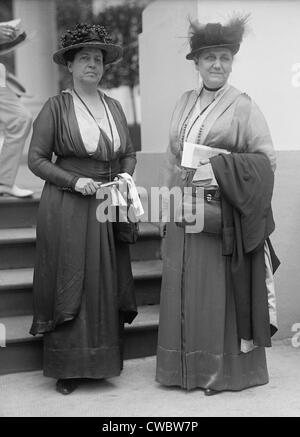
83, 284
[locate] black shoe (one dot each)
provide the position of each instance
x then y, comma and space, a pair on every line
66, 386
211, 392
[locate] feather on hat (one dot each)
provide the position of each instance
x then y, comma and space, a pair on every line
230, 35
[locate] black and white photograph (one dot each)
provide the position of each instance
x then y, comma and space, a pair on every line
149, 207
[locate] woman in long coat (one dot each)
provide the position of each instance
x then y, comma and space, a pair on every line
199, 343
83, 285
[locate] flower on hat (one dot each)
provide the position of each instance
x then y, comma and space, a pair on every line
84, 32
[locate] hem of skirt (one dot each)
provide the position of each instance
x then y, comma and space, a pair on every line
81, 375
247, 370
165, 381
41, 327
95, 363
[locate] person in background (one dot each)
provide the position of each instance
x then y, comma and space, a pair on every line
15, 120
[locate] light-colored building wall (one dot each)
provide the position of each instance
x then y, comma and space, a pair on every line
34, 65
267, 68
164, 76
33, 61
164, 73
100, 5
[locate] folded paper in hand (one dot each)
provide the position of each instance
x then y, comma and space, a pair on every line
194, 153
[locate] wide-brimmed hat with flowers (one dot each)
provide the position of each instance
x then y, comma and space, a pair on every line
88, 35
212, 35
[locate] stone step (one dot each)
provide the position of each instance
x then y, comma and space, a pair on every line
148, 245
23, 352
18, 213
17, 246
21, 213
16, 287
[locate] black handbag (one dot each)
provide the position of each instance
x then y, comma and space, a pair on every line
200, 208
125, 232
212, 211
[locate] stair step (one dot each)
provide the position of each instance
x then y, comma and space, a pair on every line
23, 278
16, 292
28, 235
16, 279
17, 327
16, 287
23, 352
148, 230
18, 213
17, 236
17, 246
148, 245
147, 269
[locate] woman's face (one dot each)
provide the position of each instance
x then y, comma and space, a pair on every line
87, 66
214, 66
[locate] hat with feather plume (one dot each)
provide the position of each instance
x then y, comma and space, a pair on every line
210, 35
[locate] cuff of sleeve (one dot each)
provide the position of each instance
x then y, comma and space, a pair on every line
128, 163
74, 182
127, 170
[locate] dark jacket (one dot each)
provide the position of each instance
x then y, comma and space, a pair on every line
246, 183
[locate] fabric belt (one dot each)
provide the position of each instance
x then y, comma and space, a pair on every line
100, 171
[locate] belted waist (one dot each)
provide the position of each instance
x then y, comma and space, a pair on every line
184, 179
101, 171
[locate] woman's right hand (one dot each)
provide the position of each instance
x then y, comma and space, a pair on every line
86, 186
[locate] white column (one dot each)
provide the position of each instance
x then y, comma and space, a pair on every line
34, 66
164, 72
164, 75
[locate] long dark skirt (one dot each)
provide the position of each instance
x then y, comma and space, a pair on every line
89, 345
198, 344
